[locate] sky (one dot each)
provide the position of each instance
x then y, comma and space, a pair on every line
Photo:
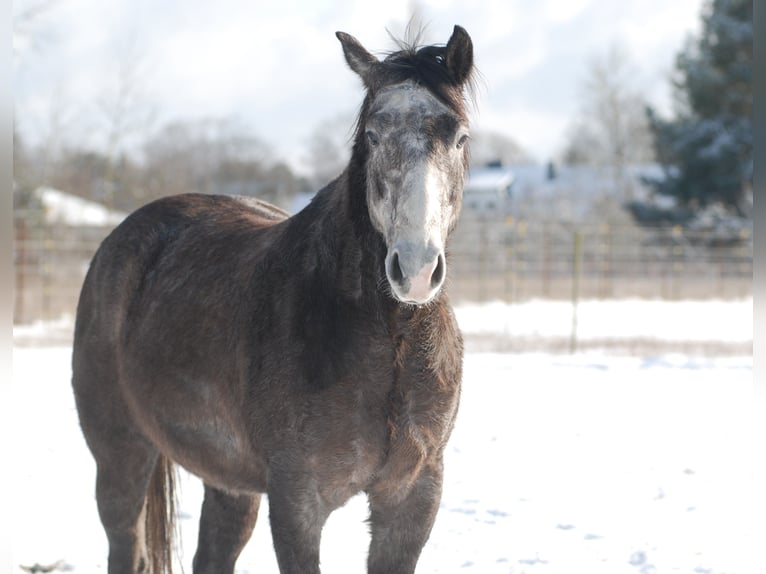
278, 68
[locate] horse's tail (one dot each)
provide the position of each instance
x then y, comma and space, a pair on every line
160, 517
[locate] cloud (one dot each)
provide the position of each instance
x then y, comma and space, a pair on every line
558, 11
279, 67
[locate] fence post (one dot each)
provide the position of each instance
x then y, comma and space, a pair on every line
483, 246
46, 269
720, 259
521, 258
546, 287
576, 267
510, 243
19, 264
676, 259
605, 238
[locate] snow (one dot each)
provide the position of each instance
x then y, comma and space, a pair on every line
691, 320
61, 207
591, 462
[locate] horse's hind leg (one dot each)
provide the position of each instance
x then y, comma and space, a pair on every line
225, 527
121, 486
124, 459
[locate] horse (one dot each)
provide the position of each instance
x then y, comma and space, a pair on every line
310, 357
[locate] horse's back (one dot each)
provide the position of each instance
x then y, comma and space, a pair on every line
138, 244
170, 243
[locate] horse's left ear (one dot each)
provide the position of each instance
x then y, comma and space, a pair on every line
358, 58
459, 55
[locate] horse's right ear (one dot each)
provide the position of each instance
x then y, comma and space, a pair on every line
358, 58
459, 58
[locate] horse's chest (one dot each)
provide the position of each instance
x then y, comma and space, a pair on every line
380, 417
383, 442
418, 433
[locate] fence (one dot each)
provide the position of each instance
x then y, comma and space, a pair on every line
517, 260
511, 260
50, 263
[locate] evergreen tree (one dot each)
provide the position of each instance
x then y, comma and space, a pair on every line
707, 150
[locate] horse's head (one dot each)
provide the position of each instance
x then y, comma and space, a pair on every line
413, 130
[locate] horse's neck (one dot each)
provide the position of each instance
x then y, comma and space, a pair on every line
342, 244
368, 241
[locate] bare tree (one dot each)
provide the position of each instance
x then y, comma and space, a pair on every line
328, 149
612, 130
213, 156
31, 33
489, 146
125, 112
58, 124
28, 27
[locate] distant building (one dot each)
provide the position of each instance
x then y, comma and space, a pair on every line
68, 209
565, 192
488, 190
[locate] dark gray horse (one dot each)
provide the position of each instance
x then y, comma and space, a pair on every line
310, 357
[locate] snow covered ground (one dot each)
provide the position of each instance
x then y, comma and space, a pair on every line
687, 321
632, 326
592, 463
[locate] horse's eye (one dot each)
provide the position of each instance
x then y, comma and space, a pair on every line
372, 137
462, 141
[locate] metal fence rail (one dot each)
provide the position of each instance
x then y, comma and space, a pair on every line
516, 260
510, 260
50, 263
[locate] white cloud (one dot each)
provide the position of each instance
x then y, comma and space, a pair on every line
279, 66
564, 10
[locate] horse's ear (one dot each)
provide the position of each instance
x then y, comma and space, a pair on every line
358, 58
459, 56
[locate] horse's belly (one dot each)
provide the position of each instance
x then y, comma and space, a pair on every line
220, 457
193, 426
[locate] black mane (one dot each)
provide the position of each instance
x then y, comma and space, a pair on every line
424, 65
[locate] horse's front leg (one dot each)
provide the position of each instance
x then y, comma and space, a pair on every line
225, 526
296, 515
400, 525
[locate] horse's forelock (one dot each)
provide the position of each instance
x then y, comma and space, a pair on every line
424, 65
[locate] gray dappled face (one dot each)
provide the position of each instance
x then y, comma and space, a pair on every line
416, 171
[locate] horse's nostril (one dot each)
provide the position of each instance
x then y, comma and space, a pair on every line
396, 271
438, 275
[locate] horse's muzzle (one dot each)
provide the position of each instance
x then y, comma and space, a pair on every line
414, 277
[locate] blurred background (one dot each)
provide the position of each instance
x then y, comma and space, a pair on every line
601, 271
612, 151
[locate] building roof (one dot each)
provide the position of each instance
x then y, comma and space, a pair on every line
61, 207
489, 178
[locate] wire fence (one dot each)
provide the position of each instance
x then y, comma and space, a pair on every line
50, 263
517, 260
509, 260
